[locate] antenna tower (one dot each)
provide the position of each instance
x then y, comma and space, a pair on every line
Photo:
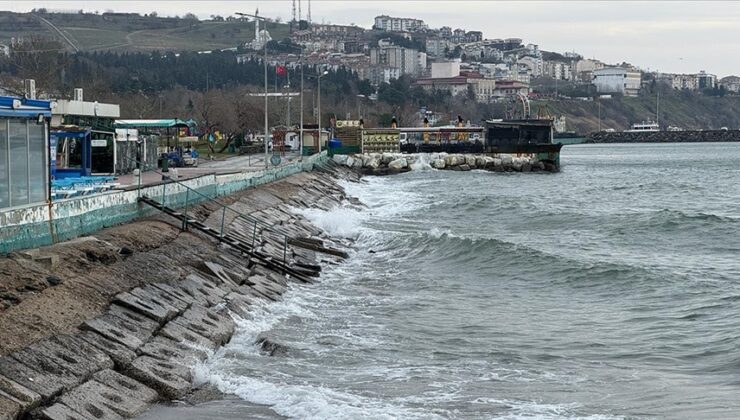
309, 11
300, 15
294, 14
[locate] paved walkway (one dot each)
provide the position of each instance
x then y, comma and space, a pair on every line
242, 163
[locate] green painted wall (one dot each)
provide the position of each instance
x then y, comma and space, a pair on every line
35, 226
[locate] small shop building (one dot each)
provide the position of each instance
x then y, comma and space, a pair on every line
24, 151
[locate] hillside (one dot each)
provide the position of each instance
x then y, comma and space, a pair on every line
681, 109
132, 32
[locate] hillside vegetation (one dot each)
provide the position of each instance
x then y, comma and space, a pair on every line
687, 110
104, 32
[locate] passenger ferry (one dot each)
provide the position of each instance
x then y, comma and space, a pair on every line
644, 127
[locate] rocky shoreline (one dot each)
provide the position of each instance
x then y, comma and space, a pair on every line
391, 163
689, 136
134, 308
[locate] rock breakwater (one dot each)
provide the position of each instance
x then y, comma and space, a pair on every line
174, 304
390, 163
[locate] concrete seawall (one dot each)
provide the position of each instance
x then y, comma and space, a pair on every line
707, 136
45, 224
123, 316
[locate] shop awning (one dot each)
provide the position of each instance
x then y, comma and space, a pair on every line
164, 123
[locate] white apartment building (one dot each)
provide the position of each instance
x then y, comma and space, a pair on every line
617, 80
557, 70
436, 47
446, 69
534, 64
396, 24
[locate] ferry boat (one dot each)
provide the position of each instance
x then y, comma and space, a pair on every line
644, 127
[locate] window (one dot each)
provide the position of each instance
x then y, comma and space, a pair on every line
23, 162
18, 136
4, 190
37, 162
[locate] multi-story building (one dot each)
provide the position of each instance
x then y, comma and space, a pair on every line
445, 32
483, 89
445, 69
705, 80
617, 80
731, 83
534, 64
436, 46
506, 88
474, 36
407, 60
684, 82
396, 24
582, 70
557, 70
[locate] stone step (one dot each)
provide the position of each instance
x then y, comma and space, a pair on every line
208, 323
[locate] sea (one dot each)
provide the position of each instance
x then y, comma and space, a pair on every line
610, 290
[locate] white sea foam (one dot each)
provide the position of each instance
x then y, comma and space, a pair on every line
340, 221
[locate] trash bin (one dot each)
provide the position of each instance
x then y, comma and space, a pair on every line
165, 164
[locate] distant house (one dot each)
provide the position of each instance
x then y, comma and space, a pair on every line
731, 83
617, 80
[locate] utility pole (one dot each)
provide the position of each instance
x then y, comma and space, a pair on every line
300, 136
599, 102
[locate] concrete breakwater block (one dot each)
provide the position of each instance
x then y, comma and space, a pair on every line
202, 291
96, 399
162, 297
46, 379
114, 329
239, 304
182, 334
170, 380
163, 348
147, 307
208, 323
9, 408
52, 366
126, 386
59, 411
174, 290
119, 353
16, 397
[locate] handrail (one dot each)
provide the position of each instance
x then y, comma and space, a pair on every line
253, 220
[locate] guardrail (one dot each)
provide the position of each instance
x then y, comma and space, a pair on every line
255, 222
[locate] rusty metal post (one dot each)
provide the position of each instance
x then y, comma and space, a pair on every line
254, 233
223, 219
187, 202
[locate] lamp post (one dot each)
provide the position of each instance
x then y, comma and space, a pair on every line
267, 161
319, 107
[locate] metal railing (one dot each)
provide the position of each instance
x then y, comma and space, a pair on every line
255, 222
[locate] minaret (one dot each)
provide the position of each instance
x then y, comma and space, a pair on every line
256, 26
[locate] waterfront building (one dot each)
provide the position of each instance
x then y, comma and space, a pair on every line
24, 151
617, 80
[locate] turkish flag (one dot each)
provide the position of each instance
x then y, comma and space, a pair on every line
281, 70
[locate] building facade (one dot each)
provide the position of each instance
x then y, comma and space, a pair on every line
617, 80
396, 24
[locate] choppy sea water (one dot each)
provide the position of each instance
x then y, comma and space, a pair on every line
609, 290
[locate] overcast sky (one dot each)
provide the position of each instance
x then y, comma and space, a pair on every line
668, 36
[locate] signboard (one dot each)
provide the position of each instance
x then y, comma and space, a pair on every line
348, 123
99, 143
275, 160
127, 134
53, 156
381, 141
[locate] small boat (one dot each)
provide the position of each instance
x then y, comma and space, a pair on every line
644, 127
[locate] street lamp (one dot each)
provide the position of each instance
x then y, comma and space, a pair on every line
319, 107
267, 162
300, 136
